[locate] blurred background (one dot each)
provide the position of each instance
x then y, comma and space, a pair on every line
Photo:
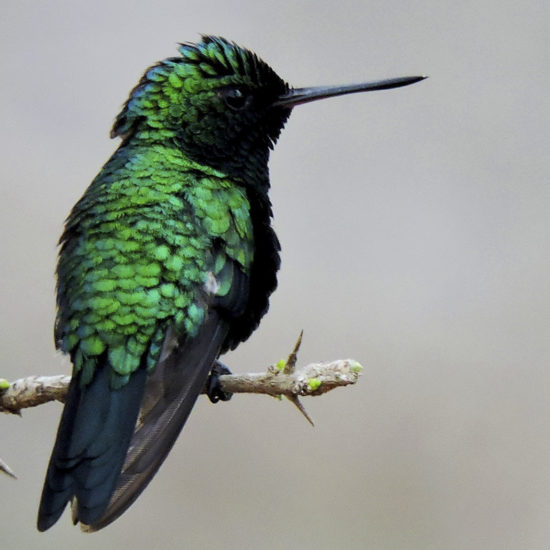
415, 232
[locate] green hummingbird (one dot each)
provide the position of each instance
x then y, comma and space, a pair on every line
166, 262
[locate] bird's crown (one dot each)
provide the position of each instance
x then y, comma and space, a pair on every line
215, 101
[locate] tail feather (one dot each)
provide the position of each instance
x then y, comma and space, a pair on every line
94, 433
170, 394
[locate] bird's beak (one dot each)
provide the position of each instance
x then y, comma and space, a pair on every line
297, 96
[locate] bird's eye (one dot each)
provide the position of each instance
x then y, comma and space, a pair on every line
236, 98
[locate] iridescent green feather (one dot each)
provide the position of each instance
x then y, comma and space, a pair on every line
142, 252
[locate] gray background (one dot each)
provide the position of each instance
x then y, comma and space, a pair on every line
415, 236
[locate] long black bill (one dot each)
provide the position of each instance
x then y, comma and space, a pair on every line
297, 96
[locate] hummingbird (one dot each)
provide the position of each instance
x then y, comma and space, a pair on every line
166, 262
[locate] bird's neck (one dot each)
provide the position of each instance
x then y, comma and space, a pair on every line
249, 168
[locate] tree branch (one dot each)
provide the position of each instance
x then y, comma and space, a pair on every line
280, 379
312, 379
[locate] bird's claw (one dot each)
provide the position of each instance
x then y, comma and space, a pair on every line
213, 386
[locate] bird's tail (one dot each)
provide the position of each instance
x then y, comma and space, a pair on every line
93, 436
170, 393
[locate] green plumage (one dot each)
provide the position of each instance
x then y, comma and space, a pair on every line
167, 261
137, 252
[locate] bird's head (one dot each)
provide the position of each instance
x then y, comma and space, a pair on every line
217, 102
221, 104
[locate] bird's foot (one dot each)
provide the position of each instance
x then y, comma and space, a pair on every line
213, 385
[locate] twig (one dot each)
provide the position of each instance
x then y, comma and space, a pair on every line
284, 378
33, 391
6, 469
313, 379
